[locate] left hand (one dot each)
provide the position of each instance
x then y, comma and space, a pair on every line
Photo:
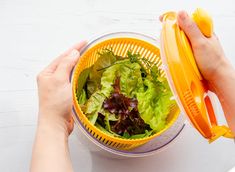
55, 93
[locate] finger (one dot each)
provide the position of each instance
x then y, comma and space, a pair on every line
78, 47
214, 35
66, 65
189, 26
53, 65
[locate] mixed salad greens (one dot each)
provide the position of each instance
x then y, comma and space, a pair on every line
124, 96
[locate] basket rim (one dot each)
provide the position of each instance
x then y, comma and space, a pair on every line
77, 109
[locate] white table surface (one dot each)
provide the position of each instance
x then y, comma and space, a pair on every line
33, 32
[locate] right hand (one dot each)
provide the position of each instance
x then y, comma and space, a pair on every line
213, 65
208, 52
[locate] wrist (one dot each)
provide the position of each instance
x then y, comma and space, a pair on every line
50, 147
220, 74
53, 124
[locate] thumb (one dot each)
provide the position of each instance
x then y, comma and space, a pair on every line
66, 64
189, 27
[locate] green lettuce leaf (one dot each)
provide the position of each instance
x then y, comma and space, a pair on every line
82, 80
130, 78
108, 78
106, 121
106, 131
146, 134
154, 104
137, 136
94, 105
91, 87
82, 98
106, 59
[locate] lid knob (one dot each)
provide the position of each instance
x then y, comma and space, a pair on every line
203, 21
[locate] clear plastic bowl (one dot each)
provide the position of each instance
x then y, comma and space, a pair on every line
157, 144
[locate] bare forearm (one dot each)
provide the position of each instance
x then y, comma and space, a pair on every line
224, 86
50, 153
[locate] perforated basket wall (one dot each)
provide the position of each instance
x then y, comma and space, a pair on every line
119, 46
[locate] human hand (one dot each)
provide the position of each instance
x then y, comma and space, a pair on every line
54, 91
213, 65
208, 52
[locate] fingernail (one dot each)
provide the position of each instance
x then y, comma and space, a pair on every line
74, 53
183, 15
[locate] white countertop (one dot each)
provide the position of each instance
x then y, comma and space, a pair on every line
33, 32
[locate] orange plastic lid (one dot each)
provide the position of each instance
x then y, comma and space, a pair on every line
186, 82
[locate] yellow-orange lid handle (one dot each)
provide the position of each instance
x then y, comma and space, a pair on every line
204, 21
184, 76
217, 130
205, 24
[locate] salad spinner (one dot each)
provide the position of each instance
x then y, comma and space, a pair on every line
178, 65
